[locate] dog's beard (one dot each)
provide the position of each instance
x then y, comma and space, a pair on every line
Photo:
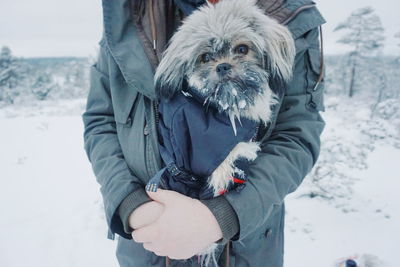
232, 94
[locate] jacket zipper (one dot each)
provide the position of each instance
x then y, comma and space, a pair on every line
153, 26
148, 47
255, 136
155, 104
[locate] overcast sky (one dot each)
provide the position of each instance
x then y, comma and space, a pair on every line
73, 28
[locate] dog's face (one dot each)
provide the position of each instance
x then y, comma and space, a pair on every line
227, 53
228, 73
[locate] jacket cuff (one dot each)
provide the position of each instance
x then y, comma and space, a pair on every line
226, 217
129, 204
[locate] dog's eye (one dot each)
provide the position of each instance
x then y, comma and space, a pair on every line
205, 58
242, 49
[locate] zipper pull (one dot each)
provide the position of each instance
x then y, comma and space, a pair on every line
153, 25
146, 129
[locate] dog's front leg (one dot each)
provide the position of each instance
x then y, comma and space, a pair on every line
223, 174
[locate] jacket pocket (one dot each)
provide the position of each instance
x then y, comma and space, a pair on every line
130, 117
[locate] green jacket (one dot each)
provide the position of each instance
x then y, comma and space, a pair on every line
121, 141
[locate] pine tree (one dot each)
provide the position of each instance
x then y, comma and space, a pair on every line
365, 36
9, 76
397, 35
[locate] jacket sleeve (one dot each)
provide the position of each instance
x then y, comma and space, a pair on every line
117, 184
287, 154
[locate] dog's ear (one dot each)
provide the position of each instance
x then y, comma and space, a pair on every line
278, 46
277, 85
169, 76
172, 69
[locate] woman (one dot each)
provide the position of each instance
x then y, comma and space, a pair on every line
121, 143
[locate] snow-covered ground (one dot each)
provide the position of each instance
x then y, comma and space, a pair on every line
319, 234
51, 213
51, 208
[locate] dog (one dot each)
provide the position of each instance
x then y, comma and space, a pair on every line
228, 55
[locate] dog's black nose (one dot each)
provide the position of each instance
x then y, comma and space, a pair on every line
223, 69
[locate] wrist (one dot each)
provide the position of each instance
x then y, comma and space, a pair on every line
225, 216
214, 229
129, 204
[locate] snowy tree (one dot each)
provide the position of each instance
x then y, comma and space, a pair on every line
43, 85
365, 36
9, 76
76, 79
397, 35
347, 143
6, 57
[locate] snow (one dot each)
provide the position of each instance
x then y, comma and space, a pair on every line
52, 208
49, 198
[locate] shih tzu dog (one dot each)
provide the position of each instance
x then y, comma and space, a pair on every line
217, 81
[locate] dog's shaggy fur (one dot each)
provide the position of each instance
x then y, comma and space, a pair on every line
253, 48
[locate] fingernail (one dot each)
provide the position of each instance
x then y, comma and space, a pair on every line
152, 187
155, 186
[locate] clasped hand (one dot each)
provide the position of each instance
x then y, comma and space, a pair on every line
174, 225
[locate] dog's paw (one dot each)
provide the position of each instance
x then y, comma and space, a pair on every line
222, 175
247, 150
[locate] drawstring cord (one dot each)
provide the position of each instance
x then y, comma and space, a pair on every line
153, 25
227, 253
321, 67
